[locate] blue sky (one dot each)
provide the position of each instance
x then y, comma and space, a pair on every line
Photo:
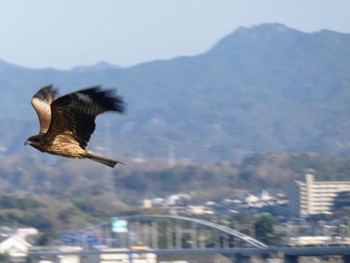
67, 33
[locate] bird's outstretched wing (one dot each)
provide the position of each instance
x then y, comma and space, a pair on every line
41, 102
74, 114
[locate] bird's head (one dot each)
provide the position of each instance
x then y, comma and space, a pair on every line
33, 140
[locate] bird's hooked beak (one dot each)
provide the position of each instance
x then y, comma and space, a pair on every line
26, 142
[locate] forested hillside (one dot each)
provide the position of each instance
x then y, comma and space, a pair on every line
267, 88
70, 193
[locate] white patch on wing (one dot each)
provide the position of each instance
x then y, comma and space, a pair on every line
86, 98
86, 104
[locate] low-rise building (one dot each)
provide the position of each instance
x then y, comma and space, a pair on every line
14, 246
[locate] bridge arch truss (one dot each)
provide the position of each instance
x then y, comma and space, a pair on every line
151, 230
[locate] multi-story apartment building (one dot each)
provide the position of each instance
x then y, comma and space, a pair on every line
309, 197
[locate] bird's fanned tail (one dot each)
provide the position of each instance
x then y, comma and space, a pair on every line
101, 159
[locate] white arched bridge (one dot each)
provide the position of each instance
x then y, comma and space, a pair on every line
157, 231
197, 230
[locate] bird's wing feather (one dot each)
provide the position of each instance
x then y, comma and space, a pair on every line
41, 102
74, 114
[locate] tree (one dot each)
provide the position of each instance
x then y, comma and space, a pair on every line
46, 237
264, 230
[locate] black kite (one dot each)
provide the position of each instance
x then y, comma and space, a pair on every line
67, 122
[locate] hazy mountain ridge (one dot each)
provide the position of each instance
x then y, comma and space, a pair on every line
262, 89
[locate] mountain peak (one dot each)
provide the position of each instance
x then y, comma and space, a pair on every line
264, 27
256, 35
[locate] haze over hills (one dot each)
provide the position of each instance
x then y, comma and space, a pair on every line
267, 88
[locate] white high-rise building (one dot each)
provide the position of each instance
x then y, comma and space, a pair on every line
310, 197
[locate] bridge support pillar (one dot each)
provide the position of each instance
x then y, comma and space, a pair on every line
346, 258
272, 258
154, 235
240, 258
291, 259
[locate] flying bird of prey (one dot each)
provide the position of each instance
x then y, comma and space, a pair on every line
67, 122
